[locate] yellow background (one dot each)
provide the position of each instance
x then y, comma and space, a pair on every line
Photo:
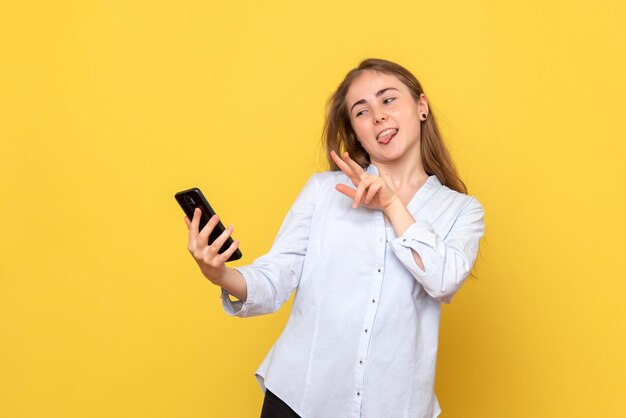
107, 108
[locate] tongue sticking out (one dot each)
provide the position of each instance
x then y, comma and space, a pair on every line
386, 138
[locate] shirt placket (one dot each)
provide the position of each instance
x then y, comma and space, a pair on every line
377, 274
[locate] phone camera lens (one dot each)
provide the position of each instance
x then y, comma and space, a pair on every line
190, 201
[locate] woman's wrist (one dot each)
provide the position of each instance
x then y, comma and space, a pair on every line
234, 283
217, 281
395, 208
400, 217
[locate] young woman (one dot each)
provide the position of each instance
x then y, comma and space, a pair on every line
372, 248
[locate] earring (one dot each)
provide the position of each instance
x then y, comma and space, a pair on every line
424, 116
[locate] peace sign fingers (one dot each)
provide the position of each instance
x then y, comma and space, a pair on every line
349, 167
371, 190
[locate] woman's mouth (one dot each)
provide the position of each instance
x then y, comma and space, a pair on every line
387, 135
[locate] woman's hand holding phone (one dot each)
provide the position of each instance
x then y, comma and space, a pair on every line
211, 263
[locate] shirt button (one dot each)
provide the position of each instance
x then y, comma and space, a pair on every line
373, 300
360, 361
358, 394
379, 270
365, 329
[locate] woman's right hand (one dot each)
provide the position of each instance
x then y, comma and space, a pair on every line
211, 263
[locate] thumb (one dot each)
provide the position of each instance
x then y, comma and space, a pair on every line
348, 191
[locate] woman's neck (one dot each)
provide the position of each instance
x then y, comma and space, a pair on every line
403, 176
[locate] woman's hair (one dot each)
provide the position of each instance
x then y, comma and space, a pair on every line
339, 136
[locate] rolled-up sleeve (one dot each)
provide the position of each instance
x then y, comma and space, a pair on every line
273, 277
447, 260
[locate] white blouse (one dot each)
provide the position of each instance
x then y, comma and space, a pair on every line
361, 339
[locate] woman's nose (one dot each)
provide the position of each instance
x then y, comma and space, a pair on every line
380, 117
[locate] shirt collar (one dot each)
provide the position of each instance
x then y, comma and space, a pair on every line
433, 183
372, 169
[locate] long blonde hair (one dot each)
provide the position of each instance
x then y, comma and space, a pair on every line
339, 136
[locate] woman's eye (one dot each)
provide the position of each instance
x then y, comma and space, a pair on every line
389, 100
359, 113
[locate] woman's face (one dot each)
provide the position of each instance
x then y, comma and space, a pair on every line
385, 117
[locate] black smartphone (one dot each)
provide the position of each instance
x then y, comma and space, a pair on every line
191, 199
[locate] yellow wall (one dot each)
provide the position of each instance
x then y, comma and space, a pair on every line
107, 108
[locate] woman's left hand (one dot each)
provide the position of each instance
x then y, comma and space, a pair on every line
371, 190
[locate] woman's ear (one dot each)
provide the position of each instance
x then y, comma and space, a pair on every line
422, 106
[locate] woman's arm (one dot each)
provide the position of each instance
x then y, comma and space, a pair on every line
234, 283
271, 279
263, 286
401, 219
444, 261
439, 264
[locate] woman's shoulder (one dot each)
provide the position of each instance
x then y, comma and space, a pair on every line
447, 196
321, 184
327, 178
